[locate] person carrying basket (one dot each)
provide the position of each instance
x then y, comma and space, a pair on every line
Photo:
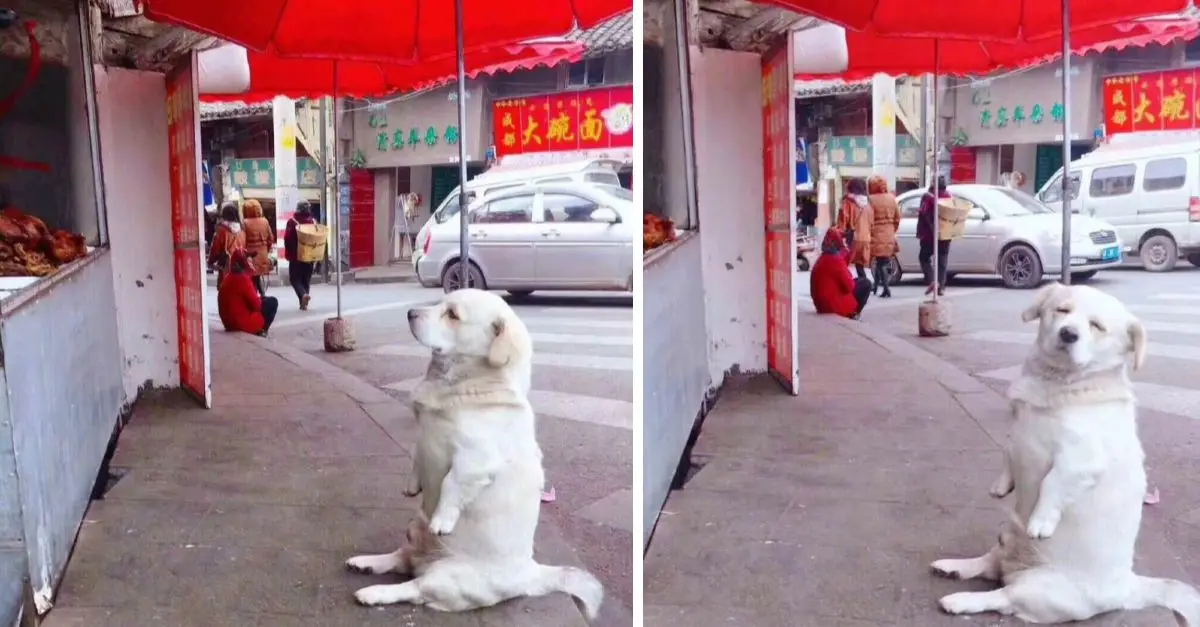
299, 272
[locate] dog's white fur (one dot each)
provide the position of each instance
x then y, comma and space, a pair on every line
1075, 467
478, 468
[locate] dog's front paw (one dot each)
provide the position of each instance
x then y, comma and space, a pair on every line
443, 522
1042, 524
413, 486
960, 603
1002, 487
377, 595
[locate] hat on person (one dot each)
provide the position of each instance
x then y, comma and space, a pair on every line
834, 242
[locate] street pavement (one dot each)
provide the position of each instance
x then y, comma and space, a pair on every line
582, 393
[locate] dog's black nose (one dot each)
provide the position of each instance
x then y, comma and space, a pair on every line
412, 314
1068, 335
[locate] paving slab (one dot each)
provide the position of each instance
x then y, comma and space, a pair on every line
826, 509
245, 513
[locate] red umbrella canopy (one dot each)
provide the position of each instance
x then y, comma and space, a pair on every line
992, 20
871, 54
379, 30
271, 75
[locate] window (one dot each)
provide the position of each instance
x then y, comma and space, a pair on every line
1191, 51
514, 209
976, 213
1115, 180
1165, 174
1053, 191
909, 207
568, 208
608, 178
616, 191
586, 73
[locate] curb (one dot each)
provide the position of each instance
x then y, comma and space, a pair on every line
381, 280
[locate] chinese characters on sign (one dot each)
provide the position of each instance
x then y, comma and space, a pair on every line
1153, 101
260, 173
413, 138
576, 120
779, 205
1003, 117
183, 156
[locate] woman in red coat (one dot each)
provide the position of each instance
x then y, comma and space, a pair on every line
238, 302
833, 290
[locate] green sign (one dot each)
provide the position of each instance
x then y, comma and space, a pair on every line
399, 139
1002, 117
260, 173
858, 151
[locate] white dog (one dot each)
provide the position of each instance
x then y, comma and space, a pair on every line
478, 468
1075, 467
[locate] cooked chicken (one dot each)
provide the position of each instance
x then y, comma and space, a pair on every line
28, 248
656, 231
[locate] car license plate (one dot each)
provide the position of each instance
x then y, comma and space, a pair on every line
1112, 253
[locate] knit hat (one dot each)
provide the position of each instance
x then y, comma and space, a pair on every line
834, 242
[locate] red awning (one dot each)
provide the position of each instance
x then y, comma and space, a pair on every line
870, 54
981, 20
272, 76
379, 30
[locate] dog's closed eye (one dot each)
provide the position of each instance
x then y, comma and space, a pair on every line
1063, 309
1098, 326
452, 314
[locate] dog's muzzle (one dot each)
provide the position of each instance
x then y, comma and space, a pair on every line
413, 314
1068, 335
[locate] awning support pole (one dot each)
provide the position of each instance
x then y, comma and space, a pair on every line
1066, 142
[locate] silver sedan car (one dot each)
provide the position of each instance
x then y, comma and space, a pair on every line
1011, 234
577, 236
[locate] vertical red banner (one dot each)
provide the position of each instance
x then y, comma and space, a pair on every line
1118, 104
779, 195
1177, 107
562, 133
1147, 102
186, 194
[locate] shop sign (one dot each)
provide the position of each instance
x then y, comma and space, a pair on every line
260, 173
857, 151
1003, 116
576, 120
779, 206
1152, 101
183, 154
408, 136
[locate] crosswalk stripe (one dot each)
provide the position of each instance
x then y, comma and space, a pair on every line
1176, 297
1154, 326
1187, 352
537, 321
1173, 310
594, 340
578, 407
591, 362
1168, 399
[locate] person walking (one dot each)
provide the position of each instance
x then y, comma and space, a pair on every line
260, 238
854, 221
299, 272
832, 289
885, 219
239, 304
925, 227
228, 237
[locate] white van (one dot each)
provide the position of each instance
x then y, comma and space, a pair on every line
500, 178
1145, 185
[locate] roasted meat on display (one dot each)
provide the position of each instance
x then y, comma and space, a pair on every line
29, 248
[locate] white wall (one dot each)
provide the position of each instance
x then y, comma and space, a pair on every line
133, 140
674, 367
729, 172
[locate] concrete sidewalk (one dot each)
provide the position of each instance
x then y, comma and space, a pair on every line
243, 515
826, 510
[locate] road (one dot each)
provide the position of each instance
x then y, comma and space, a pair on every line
582, 393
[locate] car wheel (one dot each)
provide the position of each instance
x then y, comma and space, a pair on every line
520, 293
1020, 268
894, 272
1194, 259
802, 264
1084, 277
1159, 254
451, 279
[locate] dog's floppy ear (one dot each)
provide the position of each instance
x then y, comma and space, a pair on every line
1137, 342
510, 343
1034, 311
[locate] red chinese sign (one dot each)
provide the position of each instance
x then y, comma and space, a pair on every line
1152, 101
576, 120
779, 185
183, 136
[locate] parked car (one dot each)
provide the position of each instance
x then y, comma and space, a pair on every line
1011, 234
1147, 187
575, 236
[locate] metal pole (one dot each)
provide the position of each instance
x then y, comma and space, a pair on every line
924, 178
323, 152
337, 211
464, 274
1066, 142
936, 166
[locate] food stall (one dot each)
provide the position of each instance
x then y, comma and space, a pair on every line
60, 358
